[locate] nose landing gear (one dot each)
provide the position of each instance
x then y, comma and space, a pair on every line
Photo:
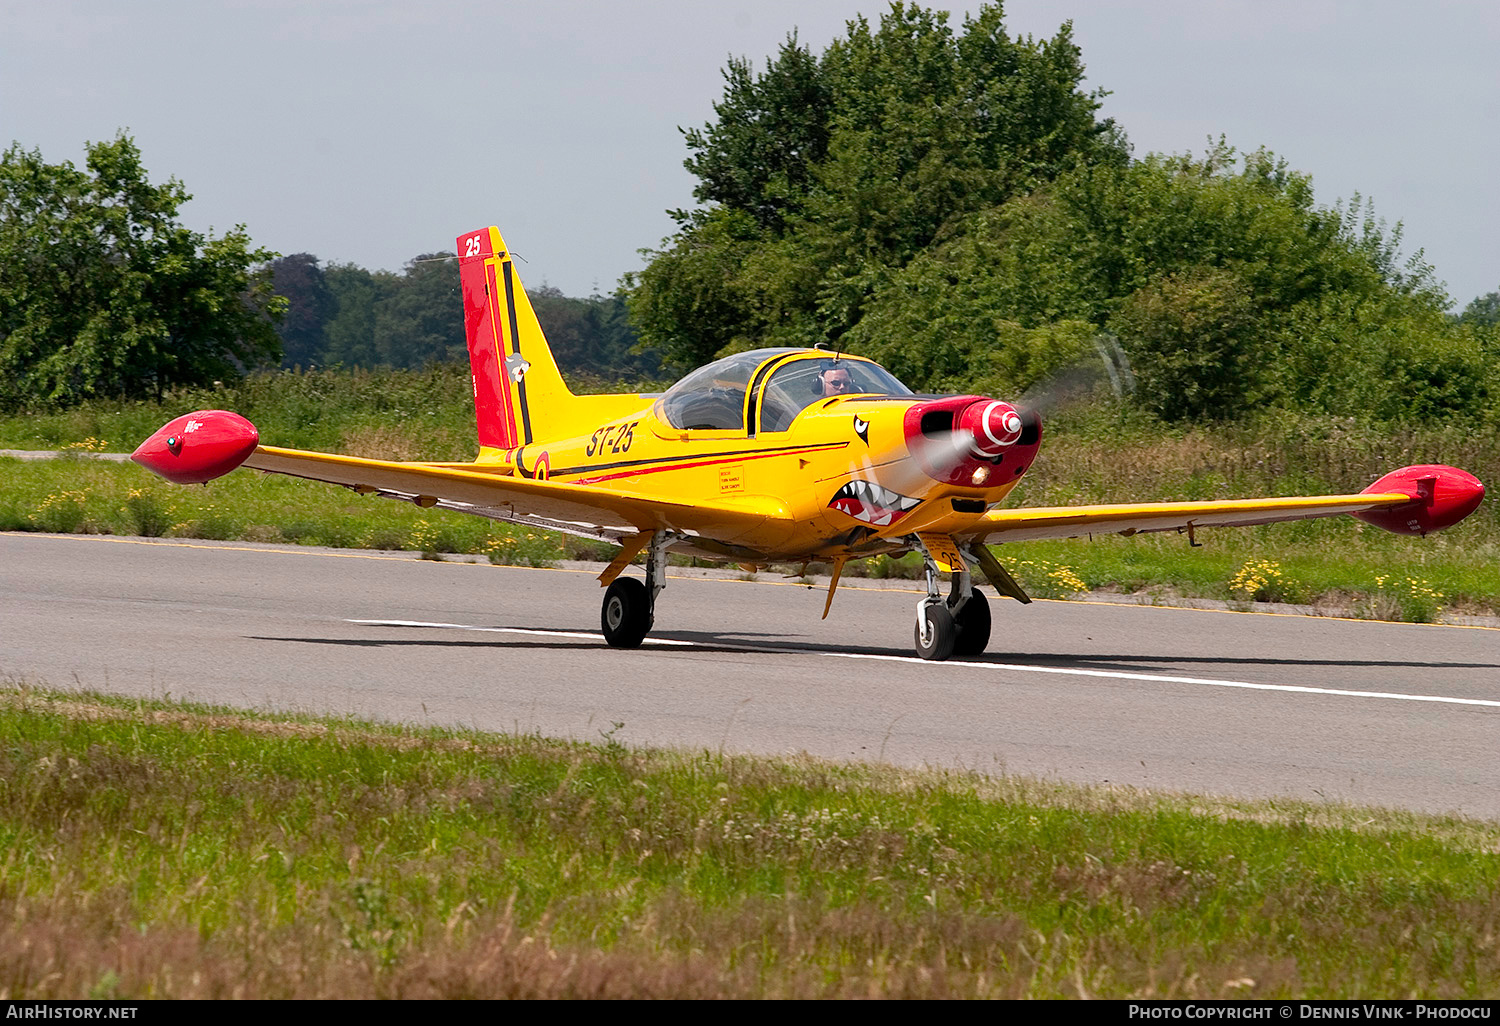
958, 625
936, 633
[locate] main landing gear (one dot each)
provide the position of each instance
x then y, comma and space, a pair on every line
626, 616
958, 625
629, 607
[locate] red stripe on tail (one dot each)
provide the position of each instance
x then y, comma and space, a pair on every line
484, 331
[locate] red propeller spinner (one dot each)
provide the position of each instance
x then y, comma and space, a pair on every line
971, 440
994, 425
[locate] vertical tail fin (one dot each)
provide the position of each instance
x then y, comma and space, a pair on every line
516, 380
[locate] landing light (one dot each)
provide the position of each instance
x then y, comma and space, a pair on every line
981, 475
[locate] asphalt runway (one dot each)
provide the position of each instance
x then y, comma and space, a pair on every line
1215, 702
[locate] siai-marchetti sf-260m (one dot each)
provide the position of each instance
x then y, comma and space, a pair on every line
770, 456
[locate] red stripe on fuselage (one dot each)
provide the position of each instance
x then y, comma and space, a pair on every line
735, 458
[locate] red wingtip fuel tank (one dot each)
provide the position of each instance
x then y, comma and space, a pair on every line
1441, 497
198, 447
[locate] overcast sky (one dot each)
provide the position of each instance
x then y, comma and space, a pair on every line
374, 130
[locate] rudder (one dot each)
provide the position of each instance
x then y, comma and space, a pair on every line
516, 380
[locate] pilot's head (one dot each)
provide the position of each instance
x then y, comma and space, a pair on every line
834, 380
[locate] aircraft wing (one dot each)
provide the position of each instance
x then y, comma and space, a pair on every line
471, 488
1008, 525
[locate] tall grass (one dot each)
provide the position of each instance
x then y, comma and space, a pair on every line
156, 850
426, 414
1104, 455
395, 414
1101, 453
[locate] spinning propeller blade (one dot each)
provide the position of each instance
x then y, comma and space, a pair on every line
1082, 381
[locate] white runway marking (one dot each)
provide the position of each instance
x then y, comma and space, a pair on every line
584, 635
1014, 667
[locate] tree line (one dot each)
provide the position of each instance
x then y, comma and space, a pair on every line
946, 200
103, 292
345, 315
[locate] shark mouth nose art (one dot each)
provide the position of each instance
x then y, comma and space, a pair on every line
868, 501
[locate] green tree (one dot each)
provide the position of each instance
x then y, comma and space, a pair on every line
349, 332
1190, 339
771, 132
1483, 311
1382, 357
1230, 288
301, 282
949, 203
591, 338
102, 291
420, 321
826, 174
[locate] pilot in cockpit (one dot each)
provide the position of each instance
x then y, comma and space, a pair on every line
833, 381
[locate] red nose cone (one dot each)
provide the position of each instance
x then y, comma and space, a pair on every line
1441, 497
198, 447
954, 438
995, 425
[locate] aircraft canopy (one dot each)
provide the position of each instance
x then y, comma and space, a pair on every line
713, 397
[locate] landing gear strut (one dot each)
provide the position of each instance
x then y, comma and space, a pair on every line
629, 607
957, 625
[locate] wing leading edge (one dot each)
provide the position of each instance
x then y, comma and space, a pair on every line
1412, 500
1009, 525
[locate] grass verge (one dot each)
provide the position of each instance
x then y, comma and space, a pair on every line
1340, 565
171, 851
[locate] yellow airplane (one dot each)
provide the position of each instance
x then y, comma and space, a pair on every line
770, 456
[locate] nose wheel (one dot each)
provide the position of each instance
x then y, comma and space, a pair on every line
936, 633
956, 625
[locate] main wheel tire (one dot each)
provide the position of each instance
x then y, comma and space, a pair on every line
973, 622
936, 632
626, 614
